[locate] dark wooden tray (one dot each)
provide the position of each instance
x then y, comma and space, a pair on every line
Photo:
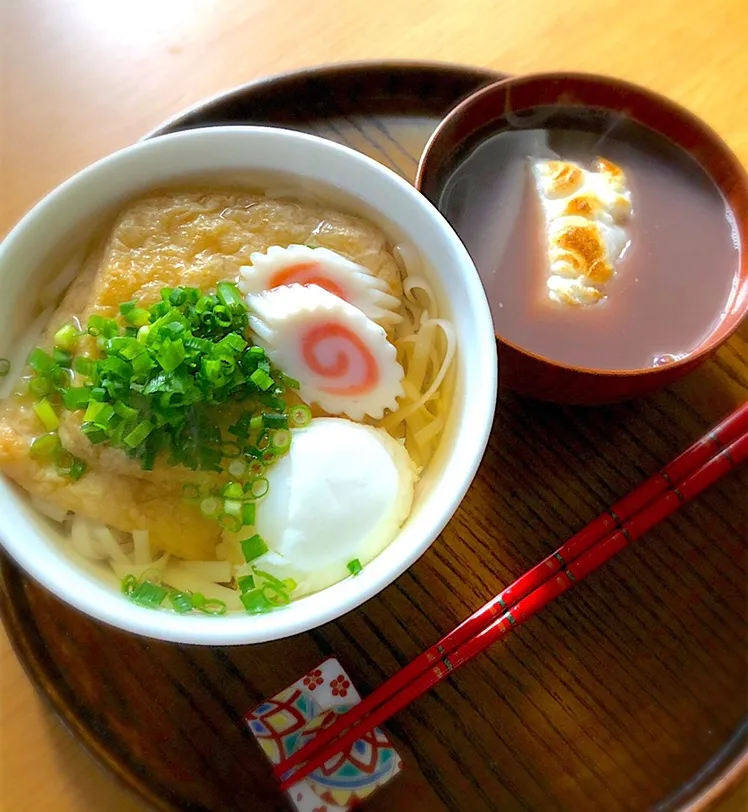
628, 694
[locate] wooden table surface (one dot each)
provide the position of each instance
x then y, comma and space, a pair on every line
81, 78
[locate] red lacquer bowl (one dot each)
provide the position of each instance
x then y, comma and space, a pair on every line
484, 113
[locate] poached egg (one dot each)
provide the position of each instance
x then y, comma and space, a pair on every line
341, 493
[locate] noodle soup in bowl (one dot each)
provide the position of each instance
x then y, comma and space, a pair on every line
247, 394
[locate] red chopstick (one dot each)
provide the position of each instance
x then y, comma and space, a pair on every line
690, 460
599, 554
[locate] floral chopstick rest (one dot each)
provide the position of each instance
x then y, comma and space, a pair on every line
284, 723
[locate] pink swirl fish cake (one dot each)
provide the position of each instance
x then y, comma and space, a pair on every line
341, 358
329, 270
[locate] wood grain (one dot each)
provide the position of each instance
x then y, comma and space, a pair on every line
593, 699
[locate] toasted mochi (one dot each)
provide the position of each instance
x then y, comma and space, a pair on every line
586, 214
194, 238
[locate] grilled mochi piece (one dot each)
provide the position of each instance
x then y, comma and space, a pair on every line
586, 215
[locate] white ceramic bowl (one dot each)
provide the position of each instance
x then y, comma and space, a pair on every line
67, 216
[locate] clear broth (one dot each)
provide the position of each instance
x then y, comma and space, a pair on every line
672, 284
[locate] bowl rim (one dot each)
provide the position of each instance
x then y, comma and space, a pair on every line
238, 628
716, 142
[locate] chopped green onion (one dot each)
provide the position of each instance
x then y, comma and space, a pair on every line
280, 441
208, 320
245, 583
47, 415
204, 303
148, 594
233, 342
289, 382
253, 547
181, 602
99, 413
4, 367
229, 296
138, 434
118, 368
269, 578
241, 427
275, 421
100, 326
237, 468
231, 449
69, 465
67, 336
255, 469
209, 506
154, 387
124, 411
171, 354
77, 469
222, 316
93, 409
41, 362
354, 567
299, 416
274, 595
261, 379
255, 602
83, 365
248, 514
232, 508
272, 402
142, 364
230, 522
258, 487
62, 357
289, 584
129, 582
177, 296
232, 490
125, 347
269, 455
40, 386
209, 606
45, 446
137, 317
75, 397
93, 433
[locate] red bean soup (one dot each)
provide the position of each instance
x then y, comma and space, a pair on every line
673, 277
